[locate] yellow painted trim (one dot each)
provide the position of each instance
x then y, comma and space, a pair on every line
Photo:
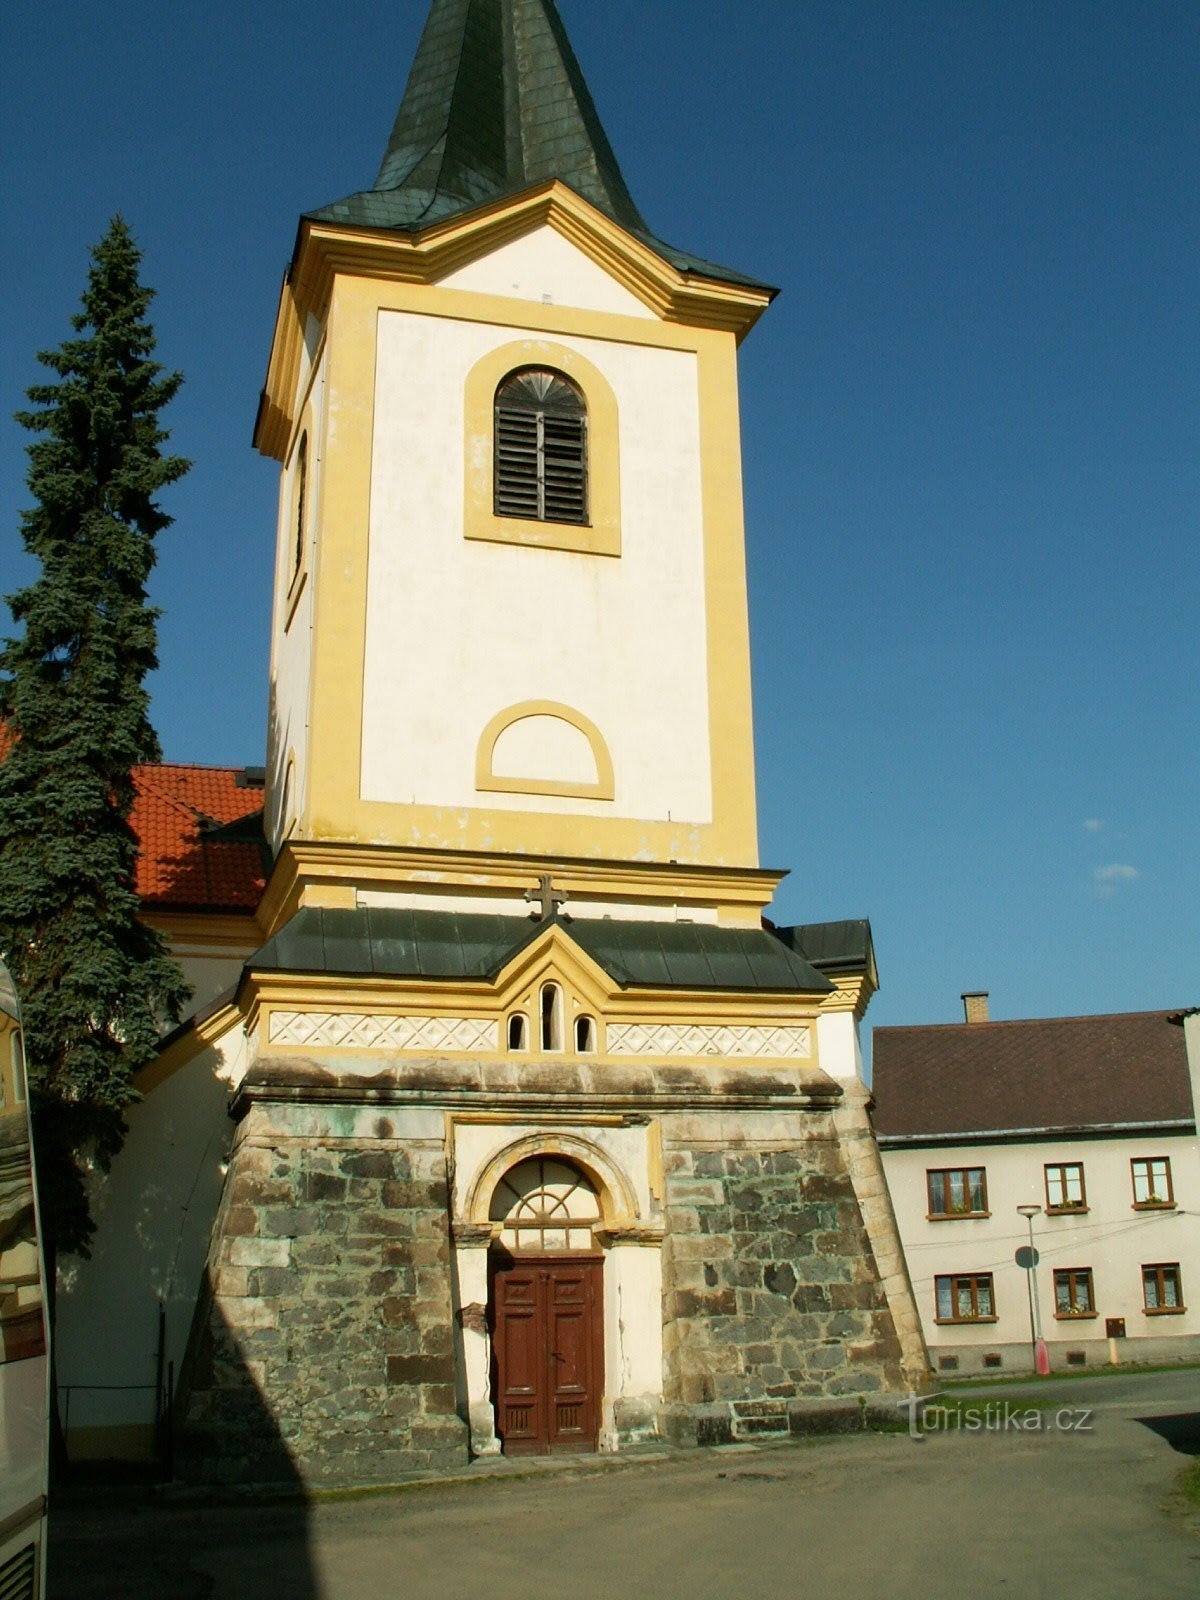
223, 931
335, 808
120, 1441
487, 778
324, 250
618, 1198
601, 535
738, 893
195, 1039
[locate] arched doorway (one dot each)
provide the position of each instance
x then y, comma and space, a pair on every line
546, 1310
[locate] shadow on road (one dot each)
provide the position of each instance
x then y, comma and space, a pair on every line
1182, 1431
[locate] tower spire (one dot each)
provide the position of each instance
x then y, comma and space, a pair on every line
496, 102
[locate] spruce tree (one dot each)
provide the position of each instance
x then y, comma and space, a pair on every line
97, 986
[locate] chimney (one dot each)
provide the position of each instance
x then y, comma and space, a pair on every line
975, 1006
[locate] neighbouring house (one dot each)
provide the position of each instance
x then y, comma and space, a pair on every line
1090, 1120
505, 1118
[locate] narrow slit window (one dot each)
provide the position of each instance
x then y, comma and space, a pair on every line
518, 1031
585, 1036
551, 1009
541, 448
301, 499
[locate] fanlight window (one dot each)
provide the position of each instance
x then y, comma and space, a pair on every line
546, 1205
541, 448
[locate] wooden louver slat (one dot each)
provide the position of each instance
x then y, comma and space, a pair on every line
541, 449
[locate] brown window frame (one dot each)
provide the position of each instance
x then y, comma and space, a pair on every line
1160, 1270
1072, 1274
1069, 1207
944, 1174
954, 1279
1151, 1205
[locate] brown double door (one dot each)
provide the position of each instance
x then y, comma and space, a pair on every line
547, 1352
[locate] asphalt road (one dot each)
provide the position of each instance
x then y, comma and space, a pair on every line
1045, 1515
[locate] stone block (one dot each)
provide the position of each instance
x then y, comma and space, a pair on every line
260, 1252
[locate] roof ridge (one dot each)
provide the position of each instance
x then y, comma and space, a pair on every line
1018, 1022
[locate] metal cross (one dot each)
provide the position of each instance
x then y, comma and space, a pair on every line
551, 899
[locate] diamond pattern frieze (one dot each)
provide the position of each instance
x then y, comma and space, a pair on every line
749, 1040
360, 1030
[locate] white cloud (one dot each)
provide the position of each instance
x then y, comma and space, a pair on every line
1093, 824
1116, 874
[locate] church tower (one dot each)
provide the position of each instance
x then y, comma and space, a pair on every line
510, 625
540, 1136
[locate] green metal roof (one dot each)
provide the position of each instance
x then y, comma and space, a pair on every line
496, 103
832, 946
456, 945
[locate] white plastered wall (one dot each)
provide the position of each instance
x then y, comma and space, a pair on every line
543, 266
154, 1214
459, 630
838, 1044
291, 634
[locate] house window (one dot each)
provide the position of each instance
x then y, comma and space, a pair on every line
541, 448
958, 1192
551, 1015
1163, 1289
518, 1031
1073, 1292
1064, 1187
965, 1297
1152, 1183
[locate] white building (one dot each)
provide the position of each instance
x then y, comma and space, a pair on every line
1092, 1120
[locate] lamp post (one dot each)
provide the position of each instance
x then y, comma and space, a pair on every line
1041, 1356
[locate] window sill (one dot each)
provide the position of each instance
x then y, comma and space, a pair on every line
955, 1216
1076, 1316
1154, 1205
1067, 1211
585, 538
1164, 1311
963, 1322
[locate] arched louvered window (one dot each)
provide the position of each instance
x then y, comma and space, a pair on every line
541, 448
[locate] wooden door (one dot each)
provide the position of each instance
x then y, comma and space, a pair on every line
547, 1352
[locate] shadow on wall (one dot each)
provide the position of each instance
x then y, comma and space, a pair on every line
126, 1537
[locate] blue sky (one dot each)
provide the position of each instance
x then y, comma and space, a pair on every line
970, 421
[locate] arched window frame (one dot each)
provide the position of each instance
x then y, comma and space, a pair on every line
550, 1018
601, 534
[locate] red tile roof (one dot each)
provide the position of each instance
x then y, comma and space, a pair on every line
189, 857
1057, 1073
184, 862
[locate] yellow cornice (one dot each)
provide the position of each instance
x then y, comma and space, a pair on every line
324, 250
327, 868
222, 930
852, 993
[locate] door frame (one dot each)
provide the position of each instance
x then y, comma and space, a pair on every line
501, 1261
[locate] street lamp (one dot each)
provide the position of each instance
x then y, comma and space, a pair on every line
1041, 1356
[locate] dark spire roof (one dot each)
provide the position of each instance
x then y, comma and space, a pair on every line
496, 103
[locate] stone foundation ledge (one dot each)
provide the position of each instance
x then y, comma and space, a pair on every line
764, 1421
